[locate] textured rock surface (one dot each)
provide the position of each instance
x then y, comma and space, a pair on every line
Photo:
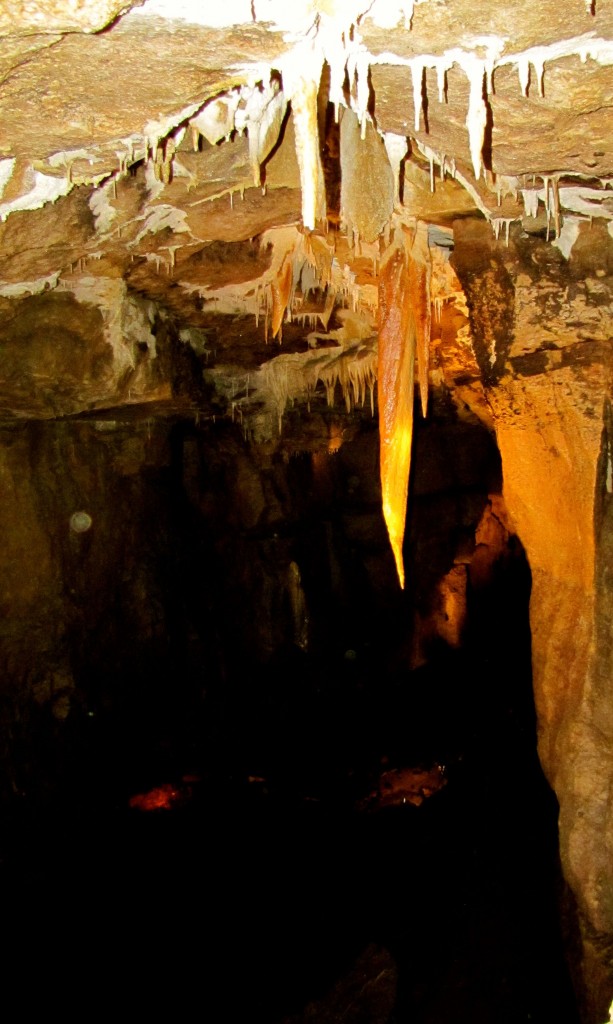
156, 163
550, 406
20, 17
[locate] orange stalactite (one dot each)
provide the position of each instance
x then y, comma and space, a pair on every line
420, 272
397, 336
281, 289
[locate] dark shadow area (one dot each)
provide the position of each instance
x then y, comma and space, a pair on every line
344, 770
329, 135
486, 150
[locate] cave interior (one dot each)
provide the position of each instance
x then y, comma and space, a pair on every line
306, 454
263, 727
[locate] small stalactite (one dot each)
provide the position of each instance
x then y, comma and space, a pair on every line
281, 288
476, 117
395, 391
396, 147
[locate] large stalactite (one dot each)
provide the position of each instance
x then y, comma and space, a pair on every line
397, 340
405, 323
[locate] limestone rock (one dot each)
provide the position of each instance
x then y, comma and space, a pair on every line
34, 16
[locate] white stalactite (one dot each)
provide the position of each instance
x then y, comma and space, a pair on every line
476, 118
530, 197
360, 63
396, 147
336, 57
539, 70
441, 79
523, 70
301, 79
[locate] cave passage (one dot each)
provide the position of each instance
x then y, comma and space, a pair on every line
223, 634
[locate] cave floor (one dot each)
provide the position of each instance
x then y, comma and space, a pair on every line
249, 900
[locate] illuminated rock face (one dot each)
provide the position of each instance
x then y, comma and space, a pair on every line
252, 211
550, 408
554, 483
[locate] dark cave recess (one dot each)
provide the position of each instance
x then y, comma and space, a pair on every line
230, 625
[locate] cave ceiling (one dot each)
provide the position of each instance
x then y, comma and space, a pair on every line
236, 174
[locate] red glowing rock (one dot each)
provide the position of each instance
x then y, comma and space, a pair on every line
161, 798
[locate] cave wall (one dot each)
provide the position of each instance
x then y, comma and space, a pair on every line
548, 381
551, 487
